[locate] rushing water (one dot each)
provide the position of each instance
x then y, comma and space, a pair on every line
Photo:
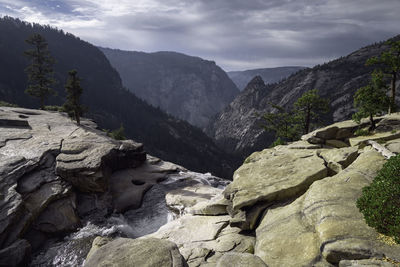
72, 250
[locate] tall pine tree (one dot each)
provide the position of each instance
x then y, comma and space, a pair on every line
40, 71
309, 107
371, 99
389, 64
74, 91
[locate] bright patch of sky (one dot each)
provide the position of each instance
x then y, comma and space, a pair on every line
236, 34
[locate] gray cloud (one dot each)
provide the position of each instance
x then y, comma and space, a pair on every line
236, 34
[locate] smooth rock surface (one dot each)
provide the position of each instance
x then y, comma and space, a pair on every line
325, 222
339, 158
128, 186
273, 175
17, 254
202, 240
180, 200
379, 136
123, 252
234, 259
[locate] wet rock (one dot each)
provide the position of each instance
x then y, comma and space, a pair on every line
202, 240
180, 200
149, 252
59, 217
17, 254
88, 159
128, 186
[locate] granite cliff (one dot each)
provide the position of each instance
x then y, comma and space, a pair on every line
108, 102
292, 205
189, 88
237, 128
269, 75
62, 185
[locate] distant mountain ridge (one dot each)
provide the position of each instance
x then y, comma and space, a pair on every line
187, 87
269, 75
109, 103
237, 128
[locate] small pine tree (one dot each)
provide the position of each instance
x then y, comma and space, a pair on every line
118, 134
389, 62
40, 71
371, 99
308, 109
74, 92
282, 123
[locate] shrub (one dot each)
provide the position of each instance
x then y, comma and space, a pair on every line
380, 201
117, 134
278, 142
6, 104
361, 132
54, 108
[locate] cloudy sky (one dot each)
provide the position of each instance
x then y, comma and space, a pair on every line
237, 34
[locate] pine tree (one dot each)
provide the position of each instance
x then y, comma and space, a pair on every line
308, 109
389, 62
371, 99
74, 92
40, 71
282, 123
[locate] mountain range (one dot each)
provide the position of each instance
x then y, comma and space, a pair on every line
189, 88
108, 102
237, 128
269, 75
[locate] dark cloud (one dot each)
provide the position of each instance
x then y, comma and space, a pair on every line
236, 34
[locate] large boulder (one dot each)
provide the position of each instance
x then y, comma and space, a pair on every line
234, 259
202, 240
272, 175
88, 159
182, 199
324, 225
128, 186
17, 254
122, 252
339, 158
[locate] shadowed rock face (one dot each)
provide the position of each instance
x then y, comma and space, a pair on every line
189, 88
269, 75
148, 252
44, 159
237, 128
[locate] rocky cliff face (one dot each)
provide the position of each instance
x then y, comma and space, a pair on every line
189, 88
56, 176
269, 75
103, 94
236, 128
291, 205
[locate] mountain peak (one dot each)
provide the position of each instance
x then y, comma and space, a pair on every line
256, 82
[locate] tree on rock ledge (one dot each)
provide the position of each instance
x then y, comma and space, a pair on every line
74, 92
40, 71
371, 99
389, 62
308, 109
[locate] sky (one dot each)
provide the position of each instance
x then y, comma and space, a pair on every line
236, 34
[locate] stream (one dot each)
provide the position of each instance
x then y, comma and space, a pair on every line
153, 213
